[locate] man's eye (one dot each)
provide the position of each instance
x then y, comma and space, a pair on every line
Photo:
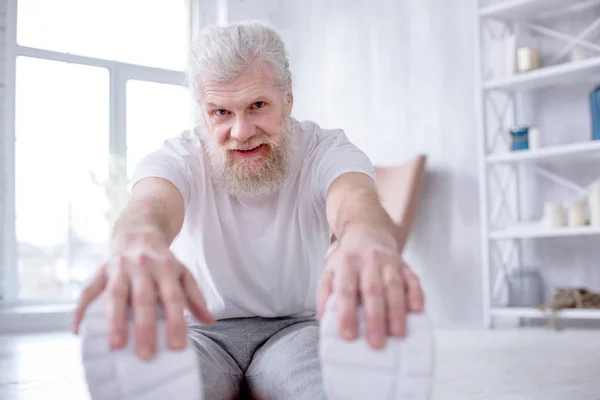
221, 112
259, 104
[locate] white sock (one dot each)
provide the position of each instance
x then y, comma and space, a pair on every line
122, 375
352, 370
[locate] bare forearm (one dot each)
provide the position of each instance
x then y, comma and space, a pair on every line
143, 219
361, 210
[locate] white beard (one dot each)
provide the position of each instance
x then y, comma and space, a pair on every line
237, 179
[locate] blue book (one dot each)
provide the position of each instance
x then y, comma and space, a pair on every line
595, 111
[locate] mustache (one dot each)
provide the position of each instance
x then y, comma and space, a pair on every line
251, 144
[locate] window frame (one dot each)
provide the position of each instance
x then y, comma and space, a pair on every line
119, 74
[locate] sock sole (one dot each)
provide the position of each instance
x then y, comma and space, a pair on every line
122, 375
403, 370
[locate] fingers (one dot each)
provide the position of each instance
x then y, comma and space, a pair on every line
173, 302
133, 284
195, 299
395, 298
323, 292
415, 295
144, 303
373, 299
117, 297
345, 287
88, 295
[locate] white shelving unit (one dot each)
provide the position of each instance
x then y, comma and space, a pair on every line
511, 10
509, 235
534, 313
573, 150
538, 230
572, 72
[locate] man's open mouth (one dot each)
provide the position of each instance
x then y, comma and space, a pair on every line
251, 151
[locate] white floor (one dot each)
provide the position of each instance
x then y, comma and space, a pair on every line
518, 365
526, 364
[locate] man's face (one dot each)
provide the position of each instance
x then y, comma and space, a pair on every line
248, 141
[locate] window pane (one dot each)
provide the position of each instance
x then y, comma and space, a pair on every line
152, 33
62, 133
155, 112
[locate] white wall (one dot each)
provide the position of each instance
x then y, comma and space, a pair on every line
3, 183
398, 76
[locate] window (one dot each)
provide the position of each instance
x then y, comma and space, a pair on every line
95, 82
62, 133
155, 112
151, 33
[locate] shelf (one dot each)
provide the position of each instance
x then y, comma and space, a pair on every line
563, 74
538, 230
574, 150
580, 313
522, 9
518, 91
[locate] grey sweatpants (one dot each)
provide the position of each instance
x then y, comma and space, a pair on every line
272, 359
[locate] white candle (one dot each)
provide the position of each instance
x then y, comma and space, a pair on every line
578, 54
595, 215
554, 215
577, 213
535, 138
594, 204
528, 59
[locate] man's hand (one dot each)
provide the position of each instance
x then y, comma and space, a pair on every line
362, 268
143, 277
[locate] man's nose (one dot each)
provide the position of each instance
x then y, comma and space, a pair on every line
243, 129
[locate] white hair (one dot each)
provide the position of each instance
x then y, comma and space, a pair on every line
221, 54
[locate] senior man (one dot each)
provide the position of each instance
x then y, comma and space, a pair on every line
225, 244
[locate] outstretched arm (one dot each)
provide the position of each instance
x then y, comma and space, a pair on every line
353, 204
366, 265
141, 271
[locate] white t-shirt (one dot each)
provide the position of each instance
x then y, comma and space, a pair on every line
258, 256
